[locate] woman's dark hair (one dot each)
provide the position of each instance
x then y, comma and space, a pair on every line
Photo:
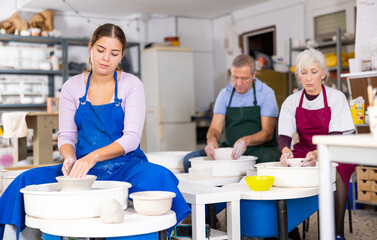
108, 30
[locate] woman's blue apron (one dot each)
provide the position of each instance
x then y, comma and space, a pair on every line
97, 127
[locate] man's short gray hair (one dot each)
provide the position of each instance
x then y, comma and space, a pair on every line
242, 60
308, 57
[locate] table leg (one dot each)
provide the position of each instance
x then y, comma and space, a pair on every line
19, 149
198, 222
163, 235
326, 196
233, 220
212, 215
318, 229
282, 219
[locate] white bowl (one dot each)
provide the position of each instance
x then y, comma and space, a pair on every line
223, 153
295, 162
225, 168
46, 201
152, 203
292, 176
76, 184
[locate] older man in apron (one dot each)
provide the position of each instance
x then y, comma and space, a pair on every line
249, 111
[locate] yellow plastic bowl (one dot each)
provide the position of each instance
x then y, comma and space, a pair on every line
260, 183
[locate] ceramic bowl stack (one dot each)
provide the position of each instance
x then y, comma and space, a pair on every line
172, 160
48, 201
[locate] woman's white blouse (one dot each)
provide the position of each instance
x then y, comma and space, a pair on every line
341, 118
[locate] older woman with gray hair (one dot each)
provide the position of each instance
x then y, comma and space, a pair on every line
316, 110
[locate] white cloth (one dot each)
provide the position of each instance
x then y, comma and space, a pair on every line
341, 118
14, 124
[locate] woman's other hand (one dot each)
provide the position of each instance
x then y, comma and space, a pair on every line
285, 154
82, 167
310, 159
239, 148
67, 165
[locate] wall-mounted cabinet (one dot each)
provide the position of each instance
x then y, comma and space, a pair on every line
131, 62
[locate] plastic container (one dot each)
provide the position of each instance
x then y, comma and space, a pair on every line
46, 201
292, 176
260, 183
152, 203
225, 168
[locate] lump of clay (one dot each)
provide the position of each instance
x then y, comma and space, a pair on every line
111, 212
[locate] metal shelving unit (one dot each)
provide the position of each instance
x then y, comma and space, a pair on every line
338, 44
64, 72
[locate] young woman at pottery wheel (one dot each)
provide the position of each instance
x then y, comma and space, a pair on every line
101, 118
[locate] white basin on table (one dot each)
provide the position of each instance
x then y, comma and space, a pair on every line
292, 176
225, 168
47, 201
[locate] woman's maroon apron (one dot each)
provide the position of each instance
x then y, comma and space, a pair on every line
316, 122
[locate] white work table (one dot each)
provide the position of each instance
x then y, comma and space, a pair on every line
215, 181
280, 195
133, 224
358, 149
198, 195
274, 193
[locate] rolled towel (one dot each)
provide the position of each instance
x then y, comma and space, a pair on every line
14, 124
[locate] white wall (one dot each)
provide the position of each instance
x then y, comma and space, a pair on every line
292, 18
221, 60
322, 7
197, 35
288, 17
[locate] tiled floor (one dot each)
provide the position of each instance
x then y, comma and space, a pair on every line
364, 225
